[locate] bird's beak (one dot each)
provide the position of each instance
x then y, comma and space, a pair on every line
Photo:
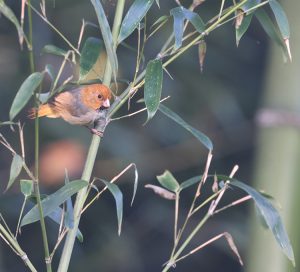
106, 103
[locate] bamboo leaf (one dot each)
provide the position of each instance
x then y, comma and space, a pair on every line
7, 123
107, 36
8, 13
168, 181
89, 55
26, 186
196, 133
281, 19
162, 192
54, 50
25, 92
270, 215
135, 14
177, 26
157, 3
180, 14
271, 30
233, 247
241, 30
51, 202
160, 20
190, 182
153, 87
69, 213
202, 53
136, 178
249, 5
15, 170
118, 196
49, 69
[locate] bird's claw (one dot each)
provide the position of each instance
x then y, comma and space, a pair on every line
97, 132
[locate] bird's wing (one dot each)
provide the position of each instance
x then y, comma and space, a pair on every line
69, 102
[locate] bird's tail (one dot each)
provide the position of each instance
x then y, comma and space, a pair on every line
43, 110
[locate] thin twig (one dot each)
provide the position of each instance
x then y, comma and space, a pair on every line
136, 112
59, 240
21, 135
176, 217
81, 34
20, 217
234, 203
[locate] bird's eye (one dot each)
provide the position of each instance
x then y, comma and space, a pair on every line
100, 96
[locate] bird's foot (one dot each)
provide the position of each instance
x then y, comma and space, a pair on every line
96, 132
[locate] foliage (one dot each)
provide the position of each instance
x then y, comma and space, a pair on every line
58, 205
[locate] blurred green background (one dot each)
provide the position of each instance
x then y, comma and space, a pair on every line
222, 102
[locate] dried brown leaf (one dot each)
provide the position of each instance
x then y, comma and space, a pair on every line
161, 192
239, 18
202, 53
233, 246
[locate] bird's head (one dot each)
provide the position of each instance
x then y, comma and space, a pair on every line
96, 96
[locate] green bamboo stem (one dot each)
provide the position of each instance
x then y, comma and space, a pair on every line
36, 132
14, 244
91, 157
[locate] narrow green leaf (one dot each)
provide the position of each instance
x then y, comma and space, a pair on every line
8, 13
180, 14
239, 32
178, 23
26, 186
270, 29
118, 196
281, 19
168, 181
15, 169
107, 36
69, 213
135, 14
153, 87
89, 55
25, 92
54, 50
194, 19
270, 215
51, 202
7, 123
43, 97
49, 69
196, 133
136, 178
190, 182
160, 20
249, 5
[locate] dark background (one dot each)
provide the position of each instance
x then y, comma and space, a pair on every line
221, 102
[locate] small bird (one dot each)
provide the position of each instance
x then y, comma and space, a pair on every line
81, 106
